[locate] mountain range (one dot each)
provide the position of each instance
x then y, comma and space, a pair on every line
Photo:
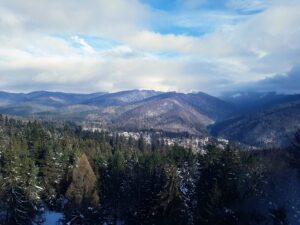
254, 118
263, 119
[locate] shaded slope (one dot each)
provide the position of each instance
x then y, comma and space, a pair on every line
273, 126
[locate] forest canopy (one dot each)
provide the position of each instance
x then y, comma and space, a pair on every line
105, 178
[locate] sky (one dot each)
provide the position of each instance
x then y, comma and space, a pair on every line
214, 46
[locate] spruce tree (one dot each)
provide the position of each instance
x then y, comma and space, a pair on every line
52, 172
217, 187
172, 209
19, 192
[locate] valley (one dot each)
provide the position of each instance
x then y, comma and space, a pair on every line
250, 118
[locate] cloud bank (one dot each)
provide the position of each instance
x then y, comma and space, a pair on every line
178, 45
282, 83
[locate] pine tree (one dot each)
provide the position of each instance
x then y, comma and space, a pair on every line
171, 206
113, 177
141, 143
189, 174
217, 188
52, 173
19, 191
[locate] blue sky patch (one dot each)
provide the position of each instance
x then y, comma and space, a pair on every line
97, 43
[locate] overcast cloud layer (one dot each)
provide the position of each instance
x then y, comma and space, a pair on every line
183, 45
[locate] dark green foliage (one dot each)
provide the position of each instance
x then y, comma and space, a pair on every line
139, 182
172, 209
19, 190
217, 190
279, 216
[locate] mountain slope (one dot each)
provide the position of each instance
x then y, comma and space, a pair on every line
210, 106
273, 126
44, 98
175, 112
246, 102
134, 109
121, 98
61, 98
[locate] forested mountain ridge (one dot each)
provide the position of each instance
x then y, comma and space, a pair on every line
261, 119
120, 180
46, 97
167, 112
186, 112
272, 122
121, 98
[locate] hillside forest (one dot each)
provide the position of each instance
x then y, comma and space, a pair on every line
103, 178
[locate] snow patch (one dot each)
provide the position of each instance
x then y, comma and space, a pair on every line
52, 217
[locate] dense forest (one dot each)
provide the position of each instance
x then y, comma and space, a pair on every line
104, 178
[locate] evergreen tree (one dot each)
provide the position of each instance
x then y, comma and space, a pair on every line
171, 207
217, 188
141, 143
19, 191
52, 172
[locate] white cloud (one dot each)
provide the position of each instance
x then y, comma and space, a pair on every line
84, 45
112, 18
34, 55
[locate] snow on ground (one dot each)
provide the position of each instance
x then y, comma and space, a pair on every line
52, 218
